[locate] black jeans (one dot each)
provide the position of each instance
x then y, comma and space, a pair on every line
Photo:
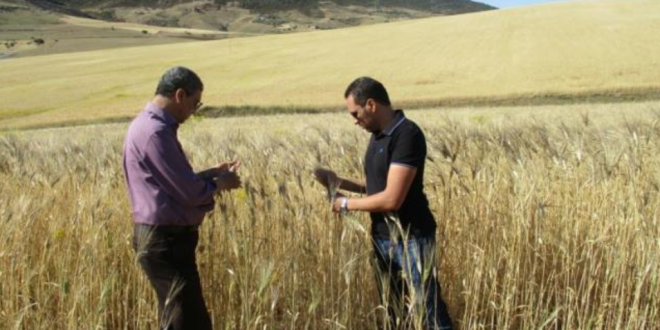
167, 256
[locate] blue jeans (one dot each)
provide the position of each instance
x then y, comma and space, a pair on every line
408, 284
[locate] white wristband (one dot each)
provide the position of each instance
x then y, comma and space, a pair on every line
344, 205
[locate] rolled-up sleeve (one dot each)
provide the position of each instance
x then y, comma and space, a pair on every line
173, 173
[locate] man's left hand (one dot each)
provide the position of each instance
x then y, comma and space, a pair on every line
225, 167
232, 166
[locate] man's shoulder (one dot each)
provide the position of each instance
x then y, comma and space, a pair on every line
411, 125
409, 129
145, 126
150, 121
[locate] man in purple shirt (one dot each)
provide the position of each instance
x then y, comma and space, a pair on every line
169, 200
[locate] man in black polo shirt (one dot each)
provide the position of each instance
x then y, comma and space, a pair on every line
403, 227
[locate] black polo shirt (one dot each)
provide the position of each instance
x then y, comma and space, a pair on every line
402, 143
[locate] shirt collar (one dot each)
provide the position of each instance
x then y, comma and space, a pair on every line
161, 114
399, 118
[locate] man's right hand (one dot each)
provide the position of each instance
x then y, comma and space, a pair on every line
325, 176
227, 181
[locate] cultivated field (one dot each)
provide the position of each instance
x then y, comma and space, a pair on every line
20, 28
559, 51
548, 219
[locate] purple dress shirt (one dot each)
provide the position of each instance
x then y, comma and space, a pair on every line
163, 188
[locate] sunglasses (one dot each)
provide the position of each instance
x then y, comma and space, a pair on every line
198, 105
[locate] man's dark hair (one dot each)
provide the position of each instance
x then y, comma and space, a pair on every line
179, 77
365, 88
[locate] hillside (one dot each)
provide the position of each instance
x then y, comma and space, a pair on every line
65, 26
440, 6
565, 50
279, 15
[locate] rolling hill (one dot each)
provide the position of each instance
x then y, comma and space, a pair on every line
63, 26
258, 16
563, 50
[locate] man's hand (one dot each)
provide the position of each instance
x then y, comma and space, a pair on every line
336, 205
325, 176
232, 166
227, 180
218, 170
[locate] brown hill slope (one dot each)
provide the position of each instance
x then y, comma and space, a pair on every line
67, 26
263, 16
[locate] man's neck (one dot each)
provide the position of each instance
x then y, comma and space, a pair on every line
388, 115
166, 104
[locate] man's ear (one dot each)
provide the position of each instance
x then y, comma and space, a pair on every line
371, 104
179, 94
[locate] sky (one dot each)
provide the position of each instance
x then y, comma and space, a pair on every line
516, 3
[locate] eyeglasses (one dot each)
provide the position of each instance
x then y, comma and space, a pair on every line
198, 106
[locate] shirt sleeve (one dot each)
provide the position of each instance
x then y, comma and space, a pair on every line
409, 148
172, 172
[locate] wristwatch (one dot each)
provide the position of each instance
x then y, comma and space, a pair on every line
343, 208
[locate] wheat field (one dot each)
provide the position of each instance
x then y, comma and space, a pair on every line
548, 219
555, 50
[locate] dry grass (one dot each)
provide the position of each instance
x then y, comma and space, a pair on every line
548, 219
561, 49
